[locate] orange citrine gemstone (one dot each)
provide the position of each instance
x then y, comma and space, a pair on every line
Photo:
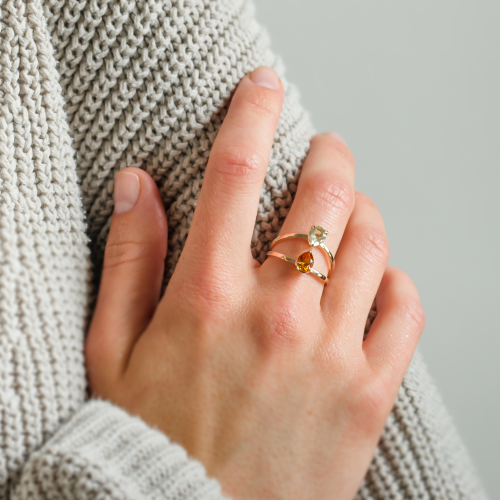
304, 262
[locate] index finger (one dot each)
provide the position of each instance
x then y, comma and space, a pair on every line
225, 214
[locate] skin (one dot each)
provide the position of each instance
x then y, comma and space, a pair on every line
260, 372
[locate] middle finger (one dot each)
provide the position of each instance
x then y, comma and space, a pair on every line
325, 197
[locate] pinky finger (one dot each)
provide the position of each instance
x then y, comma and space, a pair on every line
400, 320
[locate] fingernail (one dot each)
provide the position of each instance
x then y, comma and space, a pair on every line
336, 136
126, 191
265, 77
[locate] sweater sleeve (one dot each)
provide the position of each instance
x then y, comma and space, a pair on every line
102, 452
54, 444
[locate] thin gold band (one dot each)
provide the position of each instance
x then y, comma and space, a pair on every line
305, 261
301, 236
294, 262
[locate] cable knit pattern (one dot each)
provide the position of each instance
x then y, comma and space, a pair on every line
420, 454
117, 457
148, 86
43, 254
143, 83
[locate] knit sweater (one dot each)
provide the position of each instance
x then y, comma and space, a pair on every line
88, 87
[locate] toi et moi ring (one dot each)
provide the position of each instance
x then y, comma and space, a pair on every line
305, 261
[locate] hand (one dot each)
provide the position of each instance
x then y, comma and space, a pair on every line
260, 372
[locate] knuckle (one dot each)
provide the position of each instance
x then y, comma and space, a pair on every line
262, 103
339, 153
209, 296
333, 195
413, 315
240, 162
283, 325
373, 243
126, 252
205, 312
281, 322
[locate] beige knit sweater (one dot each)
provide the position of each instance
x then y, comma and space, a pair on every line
88, 87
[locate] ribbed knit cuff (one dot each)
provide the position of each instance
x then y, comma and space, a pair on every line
103, 452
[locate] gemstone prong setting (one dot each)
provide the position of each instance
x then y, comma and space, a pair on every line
305, 262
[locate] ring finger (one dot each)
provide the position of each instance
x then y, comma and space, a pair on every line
325, 197
359, 266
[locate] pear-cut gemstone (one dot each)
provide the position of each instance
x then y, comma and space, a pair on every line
317, 235
304, 262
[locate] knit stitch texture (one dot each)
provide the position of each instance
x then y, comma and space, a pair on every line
88, 87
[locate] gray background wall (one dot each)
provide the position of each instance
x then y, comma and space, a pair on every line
414, 87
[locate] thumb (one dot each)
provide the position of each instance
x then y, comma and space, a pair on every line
131, 276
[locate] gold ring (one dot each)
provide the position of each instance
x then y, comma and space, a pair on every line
305, 261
